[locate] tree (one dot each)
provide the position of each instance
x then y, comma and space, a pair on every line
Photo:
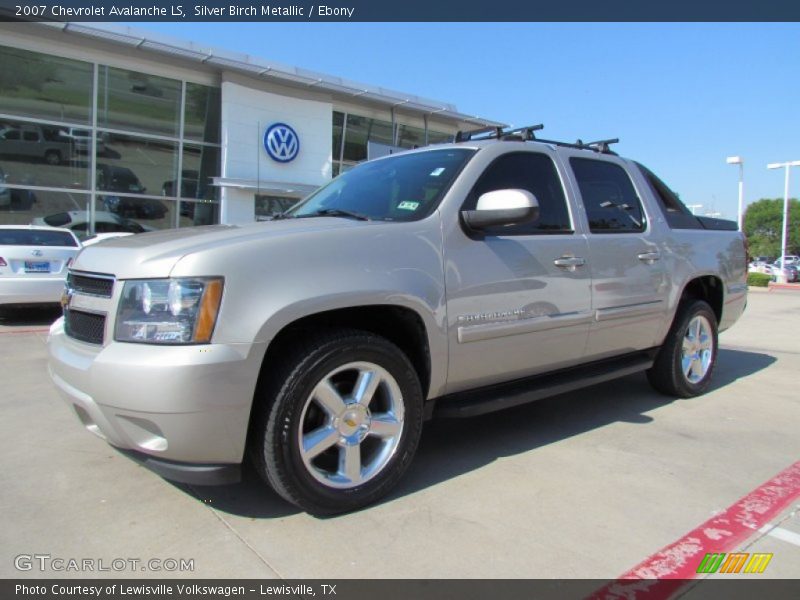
762, 226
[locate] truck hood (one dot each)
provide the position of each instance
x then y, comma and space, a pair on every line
156, 254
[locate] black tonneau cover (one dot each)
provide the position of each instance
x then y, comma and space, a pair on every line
718, 224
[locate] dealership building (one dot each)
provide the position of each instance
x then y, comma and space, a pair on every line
106, 128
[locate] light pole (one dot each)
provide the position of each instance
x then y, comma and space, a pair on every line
786, 166
737, 160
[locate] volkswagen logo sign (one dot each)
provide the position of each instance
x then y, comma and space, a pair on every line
281, 142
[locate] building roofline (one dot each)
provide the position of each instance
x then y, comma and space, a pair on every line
261, 69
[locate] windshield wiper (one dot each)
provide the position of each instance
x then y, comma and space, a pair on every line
336, 212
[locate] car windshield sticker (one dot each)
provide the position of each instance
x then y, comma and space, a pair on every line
408, 205
437, 172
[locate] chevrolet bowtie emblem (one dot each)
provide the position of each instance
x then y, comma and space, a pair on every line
66, 296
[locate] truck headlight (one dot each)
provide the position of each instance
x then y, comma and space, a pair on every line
169, 311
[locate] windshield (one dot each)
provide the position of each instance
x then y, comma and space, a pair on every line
405, 187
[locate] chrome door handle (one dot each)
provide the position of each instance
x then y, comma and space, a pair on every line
649, 257
570, 263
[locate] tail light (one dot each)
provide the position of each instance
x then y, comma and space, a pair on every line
3, 262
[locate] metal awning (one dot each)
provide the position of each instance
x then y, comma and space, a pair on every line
275, 188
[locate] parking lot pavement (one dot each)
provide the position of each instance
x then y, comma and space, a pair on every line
584, 485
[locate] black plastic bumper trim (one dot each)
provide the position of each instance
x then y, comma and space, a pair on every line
194, 474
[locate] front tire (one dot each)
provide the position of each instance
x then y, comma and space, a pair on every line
338, 424
685, 363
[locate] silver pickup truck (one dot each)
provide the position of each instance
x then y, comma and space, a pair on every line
451, 280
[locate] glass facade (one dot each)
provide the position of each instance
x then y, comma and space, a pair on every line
410, 137
34, 154
156, 140
46, 87
270, 205
203, 113
352, 133
99, 148
361, 130
132, 101
199, 199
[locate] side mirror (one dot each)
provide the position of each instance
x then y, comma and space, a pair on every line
502, 207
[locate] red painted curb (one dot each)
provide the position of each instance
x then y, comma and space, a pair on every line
659, 576
784, 286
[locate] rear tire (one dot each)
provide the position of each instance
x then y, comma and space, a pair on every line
52, 157
338, 423
685, 364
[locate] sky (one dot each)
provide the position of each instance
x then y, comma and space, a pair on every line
681, 97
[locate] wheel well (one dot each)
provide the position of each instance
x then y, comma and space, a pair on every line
401, 326
708, 288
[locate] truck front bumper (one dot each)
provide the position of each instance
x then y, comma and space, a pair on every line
182, 411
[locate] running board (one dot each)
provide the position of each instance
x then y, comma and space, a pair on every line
505, 395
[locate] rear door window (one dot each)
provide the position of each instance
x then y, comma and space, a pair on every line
610, 200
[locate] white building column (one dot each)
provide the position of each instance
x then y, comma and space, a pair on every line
246, 114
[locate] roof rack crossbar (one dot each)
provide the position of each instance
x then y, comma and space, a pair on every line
581, 145
464, 136
603, 145
526, 134
488, 133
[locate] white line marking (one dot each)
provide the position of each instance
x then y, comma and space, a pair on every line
75, 202
140, 151
782, 534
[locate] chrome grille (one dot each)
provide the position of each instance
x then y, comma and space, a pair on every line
94, 286
83, 326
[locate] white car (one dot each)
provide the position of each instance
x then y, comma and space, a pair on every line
81, 139
105, 222
99, 237
34, 262
5, 193
759, 267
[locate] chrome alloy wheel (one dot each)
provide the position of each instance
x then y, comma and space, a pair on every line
351, 425
698, 349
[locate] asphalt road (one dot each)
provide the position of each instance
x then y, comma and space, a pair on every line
584, 485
